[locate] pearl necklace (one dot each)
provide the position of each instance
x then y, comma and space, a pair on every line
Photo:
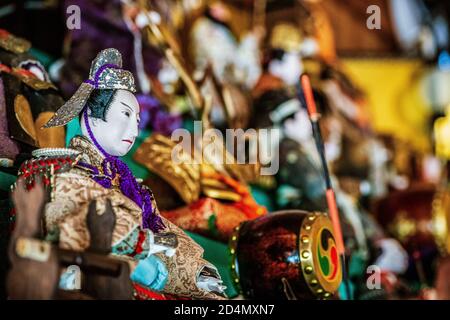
54, 152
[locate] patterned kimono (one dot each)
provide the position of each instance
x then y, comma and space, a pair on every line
65, 216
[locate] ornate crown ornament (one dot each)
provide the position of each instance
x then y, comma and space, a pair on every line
106, 73
13, 44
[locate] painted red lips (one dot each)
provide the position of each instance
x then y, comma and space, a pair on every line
129, 141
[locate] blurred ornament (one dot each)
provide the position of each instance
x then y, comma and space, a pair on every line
435, 89
441, 220
287, 37
442, 135
444, 61
12, 43
152, 114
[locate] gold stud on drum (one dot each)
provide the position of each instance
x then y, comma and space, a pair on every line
305, 254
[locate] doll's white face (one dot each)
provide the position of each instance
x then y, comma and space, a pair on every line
299, 127
118, 133
288, 69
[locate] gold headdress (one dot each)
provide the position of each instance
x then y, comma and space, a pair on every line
287, 37
13, 44
106, 73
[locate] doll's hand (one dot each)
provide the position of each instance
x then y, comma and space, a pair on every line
393, 257
210, 281
151, 273
163, 242
211, 284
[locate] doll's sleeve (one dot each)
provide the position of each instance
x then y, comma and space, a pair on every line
66, 213
184, 267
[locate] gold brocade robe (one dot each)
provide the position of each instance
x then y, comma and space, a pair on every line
71, 193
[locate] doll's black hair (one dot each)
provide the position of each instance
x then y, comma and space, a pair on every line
270, 55
99, 102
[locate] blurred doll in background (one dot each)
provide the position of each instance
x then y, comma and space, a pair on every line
27, 100
213, 42
300, 183
118, 24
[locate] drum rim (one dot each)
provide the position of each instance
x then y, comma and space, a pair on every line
313, 222
317, 283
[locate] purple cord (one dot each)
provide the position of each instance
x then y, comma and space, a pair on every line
99, 73
113, 166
